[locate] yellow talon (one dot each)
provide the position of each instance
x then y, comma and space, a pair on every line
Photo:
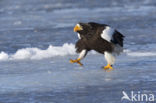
76, 61
108, 68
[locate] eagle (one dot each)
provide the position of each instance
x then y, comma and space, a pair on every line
99, 37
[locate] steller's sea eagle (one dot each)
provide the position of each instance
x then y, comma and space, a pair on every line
99, 37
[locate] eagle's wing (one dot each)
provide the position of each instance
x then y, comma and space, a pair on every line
111, 35
117, 38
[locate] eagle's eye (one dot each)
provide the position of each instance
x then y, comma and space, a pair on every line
78, 27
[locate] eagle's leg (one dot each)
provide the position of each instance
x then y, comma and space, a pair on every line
83, 53
110, 58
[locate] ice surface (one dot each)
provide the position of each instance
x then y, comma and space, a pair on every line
56, 80
37, 42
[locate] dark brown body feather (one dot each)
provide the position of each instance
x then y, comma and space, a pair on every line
91, 39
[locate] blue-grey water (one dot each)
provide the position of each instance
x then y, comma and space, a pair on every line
37, 41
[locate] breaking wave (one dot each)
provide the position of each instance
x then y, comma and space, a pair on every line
52, 51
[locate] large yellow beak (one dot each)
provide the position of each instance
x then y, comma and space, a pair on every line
77, 28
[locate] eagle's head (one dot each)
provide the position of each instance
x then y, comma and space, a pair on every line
82, 27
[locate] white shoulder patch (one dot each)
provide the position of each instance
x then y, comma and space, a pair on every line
78, 35
107, 33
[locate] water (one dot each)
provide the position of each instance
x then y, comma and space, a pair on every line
37, 41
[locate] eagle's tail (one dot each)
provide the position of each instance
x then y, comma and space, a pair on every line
117, 49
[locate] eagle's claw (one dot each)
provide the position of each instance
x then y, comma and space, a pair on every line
108, 67
76, 61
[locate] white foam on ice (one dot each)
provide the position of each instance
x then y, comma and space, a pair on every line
53, 51
141, 54
3, 56
141, 50
36, 53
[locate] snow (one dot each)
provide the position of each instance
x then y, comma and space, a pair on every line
37, 54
